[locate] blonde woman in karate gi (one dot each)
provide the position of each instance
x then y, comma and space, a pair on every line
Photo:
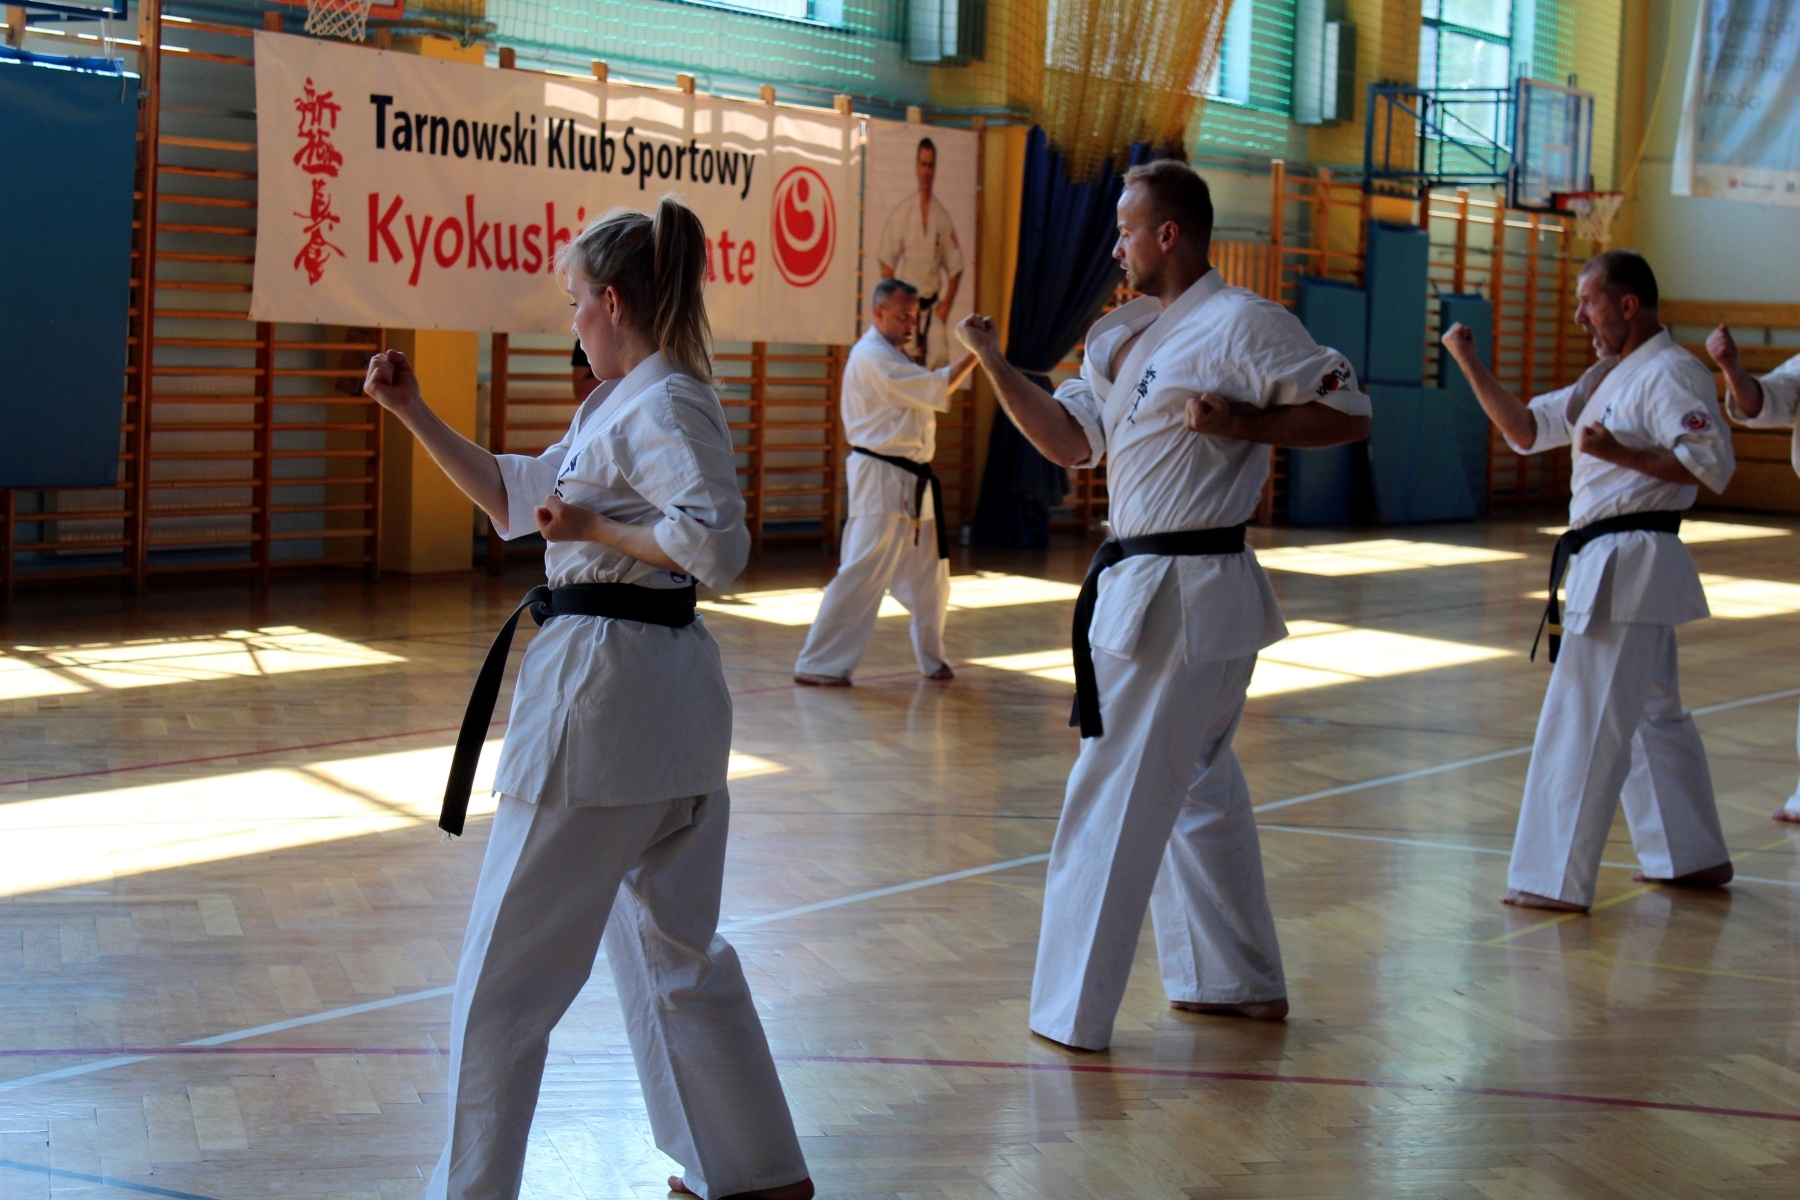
612, 778
1771, 402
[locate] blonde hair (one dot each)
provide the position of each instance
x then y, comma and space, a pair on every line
657, 264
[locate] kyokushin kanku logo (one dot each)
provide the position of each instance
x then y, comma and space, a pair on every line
805, 226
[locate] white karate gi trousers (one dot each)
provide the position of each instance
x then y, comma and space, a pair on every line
1793, 802
550, 878
1161, 786
877, 556
1613, 728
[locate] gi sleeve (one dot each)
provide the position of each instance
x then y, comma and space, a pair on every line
1288, 367
1551, 412
905, 384
949, 249
1781, 398
1078, 398
675, 451
528, 480
891, 245
1686, 421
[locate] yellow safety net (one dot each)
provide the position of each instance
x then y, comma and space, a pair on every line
1124, 71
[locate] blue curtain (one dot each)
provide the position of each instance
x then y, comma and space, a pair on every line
1065, 274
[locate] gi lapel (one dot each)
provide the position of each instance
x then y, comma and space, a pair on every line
1189, 302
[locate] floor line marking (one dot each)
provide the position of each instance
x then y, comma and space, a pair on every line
818, 906
111, 1181
1617, 866
895, 890
239, 1035
1313, 1080
1563, 918
148, 1051
1495, 756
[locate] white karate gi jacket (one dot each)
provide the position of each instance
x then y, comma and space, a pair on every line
1163, 479
923, 252
890, 406
610, 712
1658, 395
1781, 405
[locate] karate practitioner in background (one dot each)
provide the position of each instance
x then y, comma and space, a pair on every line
612, 777
1646, 430
894, 539
1770, 402
1183, 392
919, 246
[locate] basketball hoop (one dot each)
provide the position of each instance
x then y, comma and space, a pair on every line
1593, 213
347, 19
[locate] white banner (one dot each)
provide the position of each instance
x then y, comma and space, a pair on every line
919, 202
408, 192
1739, 136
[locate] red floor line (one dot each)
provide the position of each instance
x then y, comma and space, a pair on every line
116, 1051
1316, 1080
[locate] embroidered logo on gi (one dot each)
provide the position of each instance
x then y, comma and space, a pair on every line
568, 470
1139, 392
1696, 422
1339, 376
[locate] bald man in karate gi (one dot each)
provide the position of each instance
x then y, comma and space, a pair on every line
893, 540
1645, 424
1770, 402
1183, 392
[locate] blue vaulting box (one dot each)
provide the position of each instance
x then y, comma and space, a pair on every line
1471, 423
1322, 482
1415, 464
1396, 272
68, 140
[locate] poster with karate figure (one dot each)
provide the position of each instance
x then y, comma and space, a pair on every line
919, 226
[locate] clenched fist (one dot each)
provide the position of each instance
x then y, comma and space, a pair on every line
977, 332
1209, 412
1598, 440
560, 521
1722, 347
1459, 340
391, 382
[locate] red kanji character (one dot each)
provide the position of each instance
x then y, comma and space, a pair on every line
318, 117
313, 256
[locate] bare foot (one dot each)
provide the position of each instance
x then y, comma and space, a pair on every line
1064, 1045
805, 680
1717, 876
1532, 900
1782, 814
1259, 1010
942, 674
793, 1191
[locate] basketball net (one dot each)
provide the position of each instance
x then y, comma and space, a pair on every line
1594, 213
347, 19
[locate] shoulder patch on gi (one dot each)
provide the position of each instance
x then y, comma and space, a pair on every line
1696, 422
1334, 379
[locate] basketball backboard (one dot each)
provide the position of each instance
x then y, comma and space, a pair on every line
1553, 143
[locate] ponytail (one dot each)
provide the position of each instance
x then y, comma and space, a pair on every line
680, 327
658, 266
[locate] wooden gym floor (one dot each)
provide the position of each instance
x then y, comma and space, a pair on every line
227, 926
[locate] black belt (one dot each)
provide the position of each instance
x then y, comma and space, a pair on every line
927, 478
672, 607
1571, 542
1113, 551
927, 308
